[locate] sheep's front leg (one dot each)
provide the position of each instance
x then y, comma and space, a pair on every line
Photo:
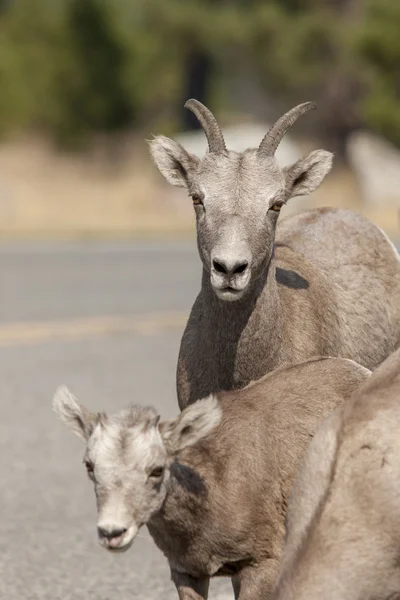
190, 588
256, 581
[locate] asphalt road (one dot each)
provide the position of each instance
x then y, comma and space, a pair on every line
106, 320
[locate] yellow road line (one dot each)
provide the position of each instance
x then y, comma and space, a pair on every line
69, 329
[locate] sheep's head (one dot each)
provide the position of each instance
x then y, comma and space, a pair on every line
128, 457
237, 196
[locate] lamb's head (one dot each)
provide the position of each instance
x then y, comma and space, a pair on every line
237, 196
128, 457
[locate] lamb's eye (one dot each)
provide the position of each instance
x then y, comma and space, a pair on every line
276, 207
157, 473
196, 199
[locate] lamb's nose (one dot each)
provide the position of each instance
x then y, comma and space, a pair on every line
111, 532
230, 267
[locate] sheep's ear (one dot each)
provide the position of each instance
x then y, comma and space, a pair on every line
307, 173
193, 424
173, 161
74, 414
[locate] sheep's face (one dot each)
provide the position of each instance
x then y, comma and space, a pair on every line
128, 456
237, 198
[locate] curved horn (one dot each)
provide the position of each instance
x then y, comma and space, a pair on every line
209, 123
274, 136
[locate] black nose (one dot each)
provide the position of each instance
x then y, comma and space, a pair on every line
230, 267
109, 534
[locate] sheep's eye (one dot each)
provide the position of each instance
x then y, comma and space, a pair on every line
89, 467
276, 207
157, 473
196, 200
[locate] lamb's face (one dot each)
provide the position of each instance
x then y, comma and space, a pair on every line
127, 457
127, 461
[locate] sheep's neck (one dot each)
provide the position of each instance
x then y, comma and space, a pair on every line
243, 338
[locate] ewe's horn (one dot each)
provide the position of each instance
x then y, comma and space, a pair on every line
209, 123
274, 136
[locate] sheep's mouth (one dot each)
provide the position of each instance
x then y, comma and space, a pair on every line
229, 294
232, 288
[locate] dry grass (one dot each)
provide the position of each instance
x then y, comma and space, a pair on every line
43, 193
46, 194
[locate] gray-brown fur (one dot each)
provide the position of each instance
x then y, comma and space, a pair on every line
229, 461
343, 525
323, 282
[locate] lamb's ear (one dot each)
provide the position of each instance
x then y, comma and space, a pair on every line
74, 414
194, 423
307, 173
173, 161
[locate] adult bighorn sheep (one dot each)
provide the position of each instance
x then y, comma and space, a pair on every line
211, 485
324, 282
343, 520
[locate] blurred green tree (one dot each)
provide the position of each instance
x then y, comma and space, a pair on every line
31, 46
74, 67
378, 43
91, 84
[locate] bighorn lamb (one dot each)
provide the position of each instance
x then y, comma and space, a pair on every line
324, 282
343, 521
212, 484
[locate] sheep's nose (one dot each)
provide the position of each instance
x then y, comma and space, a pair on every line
230, 266
110, 533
